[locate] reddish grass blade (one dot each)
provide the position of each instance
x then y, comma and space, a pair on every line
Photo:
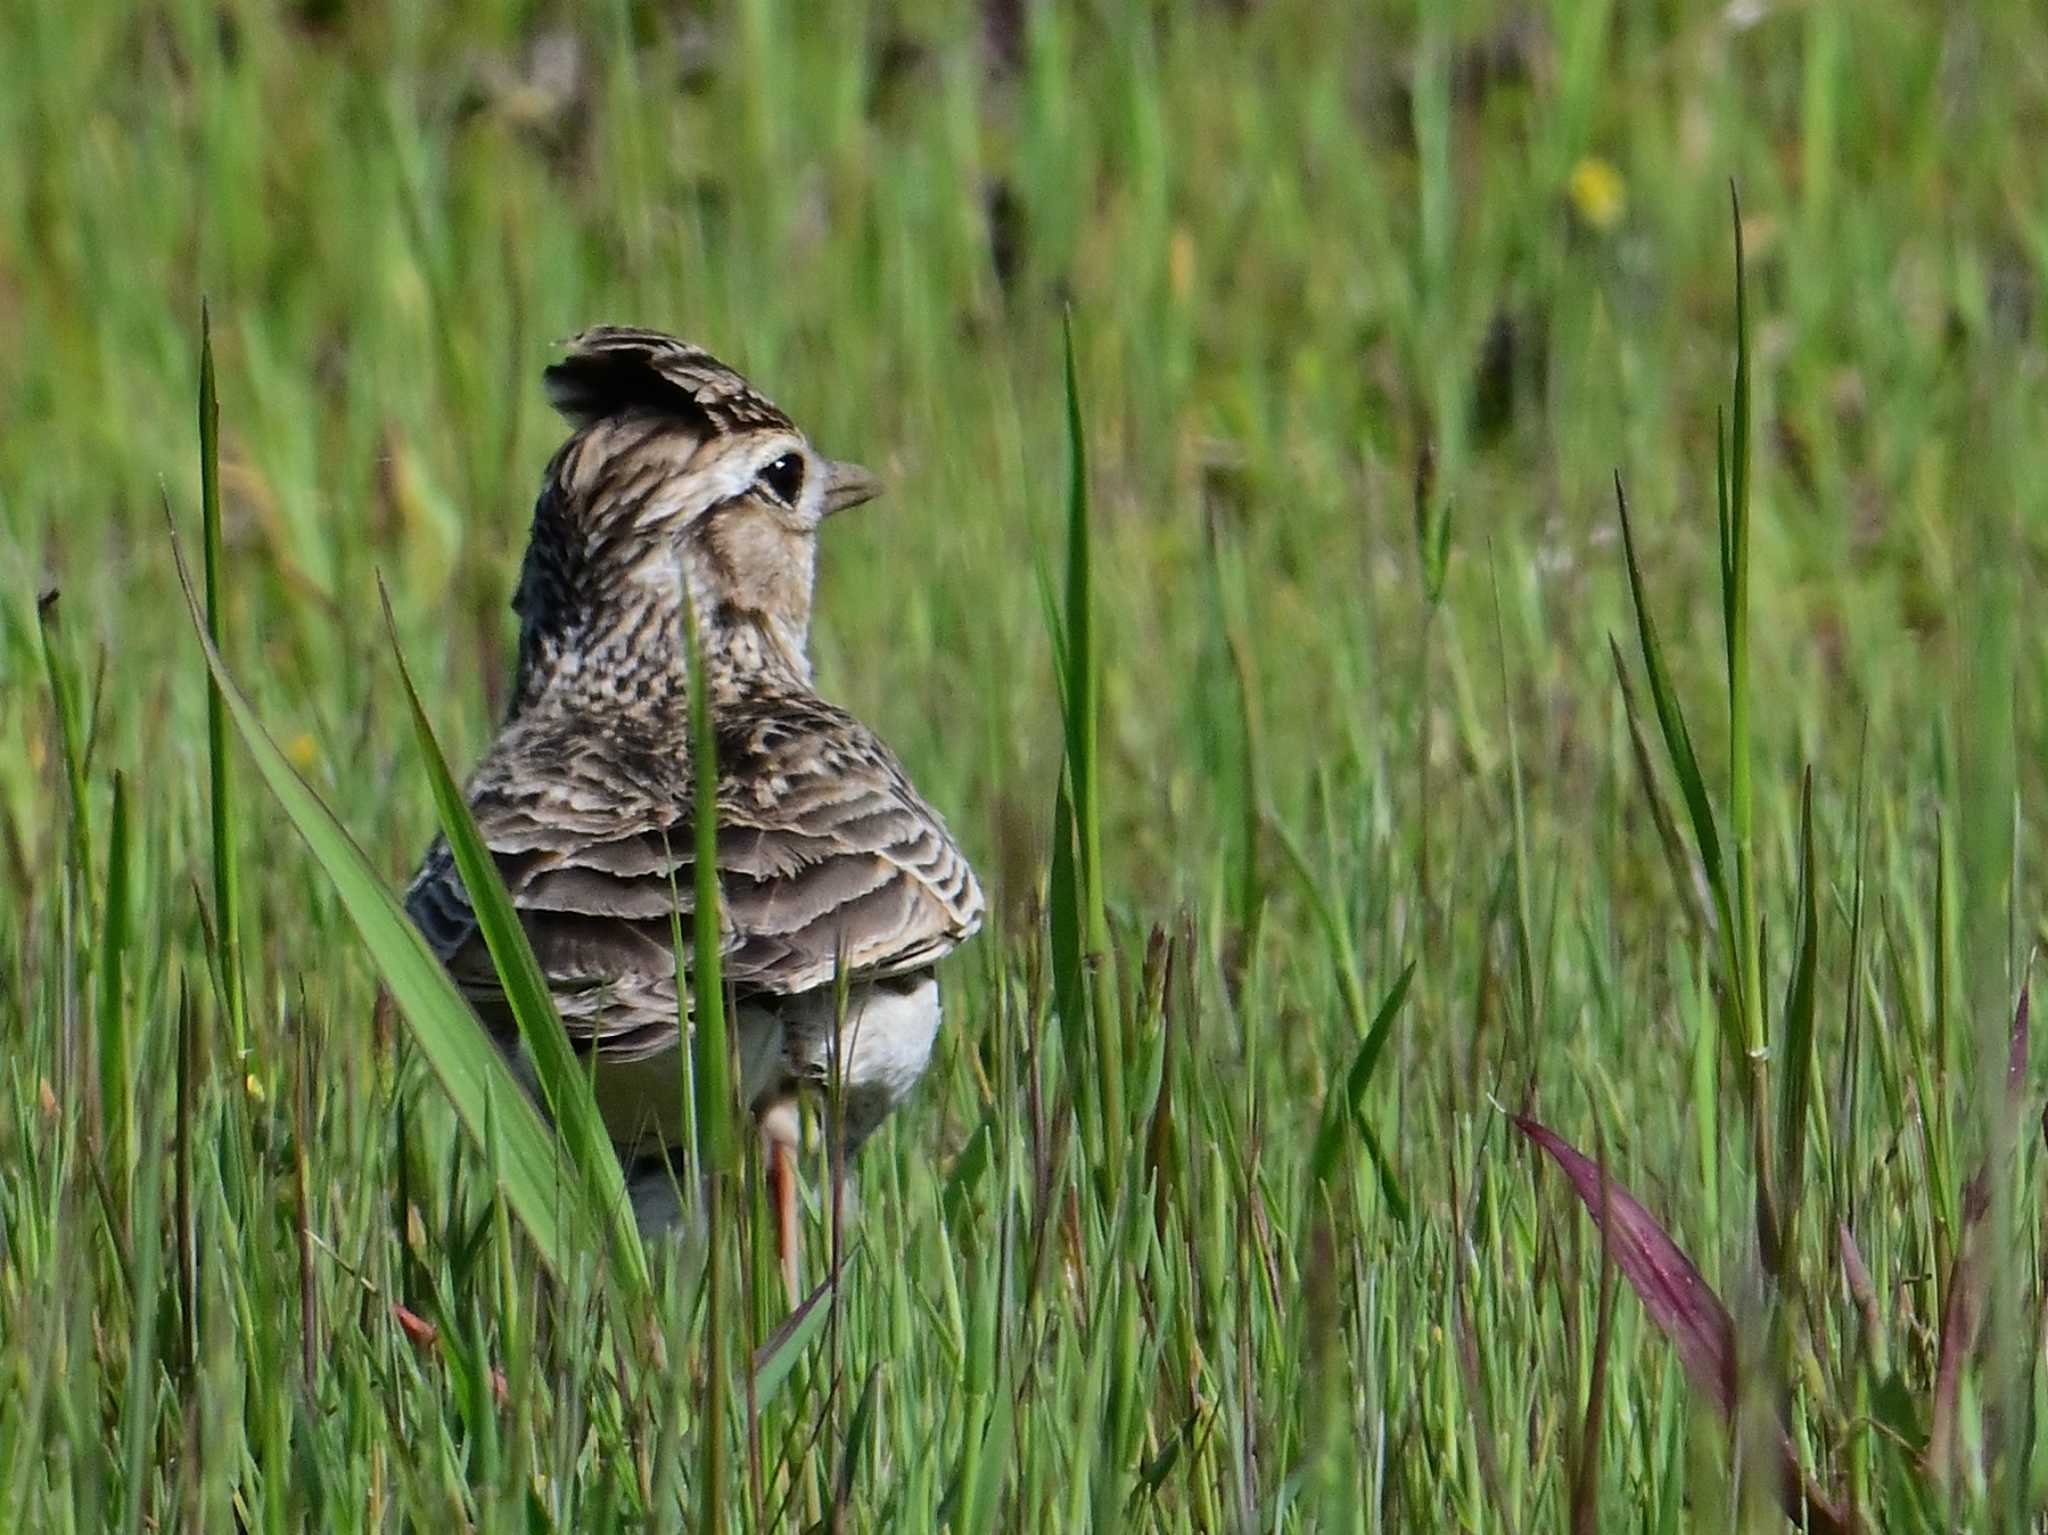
1962, 1310
1681, 1302
1962, 1318
1977, 1192
1685, 1309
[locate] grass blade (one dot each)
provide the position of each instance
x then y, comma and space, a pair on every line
1683, 1307
1348, 1106
1799, 1015
1069, 978
711, 1084
1685, 874
1681, 1303
776, 1357
116, 1071
563, 1083
1671, 720
227, 875
1083, 777
709, 1051
471, 1070
70, 730
1746, 935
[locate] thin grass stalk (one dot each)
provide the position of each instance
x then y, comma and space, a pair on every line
1083, 698
139, 1400
186, 1237
227, 875
1525, 964
1795, 1096
1748, 977
116, 1070
712, 1087
63, 683
1678, 744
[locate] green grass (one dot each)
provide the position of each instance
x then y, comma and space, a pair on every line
1284, 726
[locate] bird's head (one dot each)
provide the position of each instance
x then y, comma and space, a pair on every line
681, 489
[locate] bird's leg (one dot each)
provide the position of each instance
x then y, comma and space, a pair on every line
780, 1128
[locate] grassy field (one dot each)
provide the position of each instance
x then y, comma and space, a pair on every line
1215, 1215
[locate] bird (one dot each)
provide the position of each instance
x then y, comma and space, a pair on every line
683, 496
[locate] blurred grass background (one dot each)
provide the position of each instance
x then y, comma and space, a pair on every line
1341, 278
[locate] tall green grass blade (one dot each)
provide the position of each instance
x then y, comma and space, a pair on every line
139, 1406
1746, 978
1796, 1083
1685, 876
70, 731
688, 1154
227, 874
470, 1068
1347, 1106
1391, 1189
1082, 689
711, 1068
982, 1495
1336, 935
1671, 721
184, 1130
116, 1067
710, 1049
859, 1429
1724, 530
1525, 944
1063, 902
1741, 797
778, 1356
564, 1086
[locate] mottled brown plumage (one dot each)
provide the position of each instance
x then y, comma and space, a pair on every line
680, 479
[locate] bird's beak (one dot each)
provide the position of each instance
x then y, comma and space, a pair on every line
848, 485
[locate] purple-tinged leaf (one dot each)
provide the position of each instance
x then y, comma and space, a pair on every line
1977, 1191
1962, 1311
1681, 1303
1687, 1311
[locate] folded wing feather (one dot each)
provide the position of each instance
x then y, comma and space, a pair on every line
826, 854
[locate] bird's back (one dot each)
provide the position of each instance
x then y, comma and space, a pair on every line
827, 857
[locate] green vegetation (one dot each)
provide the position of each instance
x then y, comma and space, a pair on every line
1352, 783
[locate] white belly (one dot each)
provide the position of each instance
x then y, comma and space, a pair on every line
881, 1050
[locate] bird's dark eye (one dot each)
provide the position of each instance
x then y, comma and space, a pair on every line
785, 477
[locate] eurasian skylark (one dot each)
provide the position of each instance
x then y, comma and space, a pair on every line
679, 479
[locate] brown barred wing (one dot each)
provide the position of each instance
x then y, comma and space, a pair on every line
826, 855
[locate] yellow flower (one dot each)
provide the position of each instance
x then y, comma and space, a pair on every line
300, 749
1598, 192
